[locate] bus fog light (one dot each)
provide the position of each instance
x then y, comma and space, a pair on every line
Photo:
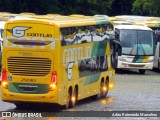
5, 84
52, 86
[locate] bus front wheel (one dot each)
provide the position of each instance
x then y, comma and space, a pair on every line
141, 71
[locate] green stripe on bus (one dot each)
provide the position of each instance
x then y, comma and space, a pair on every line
99, 48
138, 59
101, 21
31, 89
91, 79
157, 25
102, 47
95, 49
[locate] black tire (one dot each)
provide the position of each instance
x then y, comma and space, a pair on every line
73, 102
68, 100
158, 66
141, 71
21, 105
102, 93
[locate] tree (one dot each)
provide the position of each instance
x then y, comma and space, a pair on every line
146, 7
85, 7
66, 7
121, 7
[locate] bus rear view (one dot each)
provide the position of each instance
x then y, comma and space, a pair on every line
27, 65
137, 47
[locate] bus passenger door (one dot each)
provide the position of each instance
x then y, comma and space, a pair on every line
157, 53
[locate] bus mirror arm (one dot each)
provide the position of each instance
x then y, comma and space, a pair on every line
119, 49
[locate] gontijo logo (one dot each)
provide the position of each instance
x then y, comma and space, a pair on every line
18, 31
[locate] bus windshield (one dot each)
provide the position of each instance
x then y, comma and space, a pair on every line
136, 42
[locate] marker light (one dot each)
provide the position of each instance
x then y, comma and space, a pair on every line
104, 88
11, 21
110, 86
73, 98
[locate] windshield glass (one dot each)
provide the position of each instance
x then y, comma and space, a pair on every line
136, 42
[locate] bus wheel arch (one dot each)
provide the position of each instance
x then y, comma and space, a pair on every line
142, 71
100, 94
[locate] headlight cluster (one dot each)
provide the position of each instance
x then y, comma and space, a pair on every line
121, 59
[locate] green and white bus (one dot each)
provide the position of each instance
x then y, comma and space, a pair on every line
137, 47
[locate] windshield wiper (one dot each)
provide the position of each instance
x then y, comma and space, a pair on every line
142, 48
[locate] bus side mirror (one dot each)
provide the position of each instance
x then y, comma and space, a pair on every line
158, 37
117, 34
118, 47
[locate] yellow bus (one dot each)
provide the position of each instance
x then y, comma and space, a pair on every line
57, 60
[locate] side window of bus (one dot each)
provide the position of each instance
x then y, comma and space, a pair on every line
92, 65
68, 36
96, 33
62, 36
84, 34
99, 30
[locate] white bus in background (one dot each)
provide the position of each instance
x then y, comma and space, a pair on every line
1, 41
154, 24
1, 38
157, 52
137, 47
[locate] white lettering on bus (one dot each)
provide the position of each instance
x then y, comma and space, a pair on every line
11, 45
70, 65
19, 31
75, 54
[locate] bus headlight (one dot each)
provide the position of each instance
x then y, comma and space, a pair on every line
150, 61
121, 59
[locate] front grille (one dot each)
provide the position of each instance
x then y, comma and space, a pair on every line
29, 66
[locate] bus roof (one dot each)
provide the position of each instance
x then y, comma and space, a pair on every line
135, 27
66, 21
